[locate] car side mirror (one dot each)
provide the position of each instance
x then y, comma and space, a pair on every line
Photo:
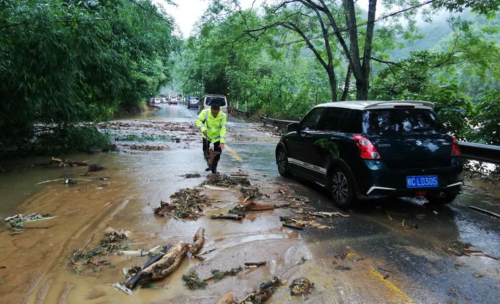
293, 127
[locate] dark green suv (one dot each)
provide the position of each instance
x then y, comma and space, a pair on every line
363, 150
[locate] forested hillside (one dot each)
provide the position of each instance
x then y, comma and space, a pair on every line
292, 55
63, 62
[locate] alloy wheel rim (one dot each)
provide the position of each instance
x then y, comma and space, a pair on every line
282, 162
340, 187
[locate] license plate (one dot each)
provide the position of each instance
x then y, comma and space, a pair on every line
429, 181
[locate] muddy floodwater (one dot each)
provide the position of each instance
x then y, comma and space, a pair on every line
384, 252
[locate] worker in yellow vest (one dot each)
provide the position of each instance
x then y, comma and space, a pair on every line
212, 124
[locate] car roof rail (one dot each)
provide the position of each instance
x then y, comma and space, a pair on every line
424, 103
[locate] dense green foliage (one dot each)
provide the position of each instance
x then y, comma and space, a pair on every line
273, 71
67, 61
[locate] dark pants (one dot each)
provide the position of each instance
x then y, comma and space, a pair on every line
206, 146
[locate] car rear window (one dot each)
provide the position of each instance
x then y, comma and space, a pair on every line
221, 101
400, 122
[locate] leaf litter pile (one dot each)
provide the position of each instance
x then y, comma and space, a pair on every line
112, 241
186, 203
223, 180
189, 203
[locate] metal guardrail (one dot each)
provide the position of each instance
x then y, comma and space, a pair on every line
234, 110
479, 152
276, 122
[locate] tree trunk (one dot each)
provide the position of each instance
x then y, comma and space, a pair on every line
166, 265
333, 84
362, 88
347, 84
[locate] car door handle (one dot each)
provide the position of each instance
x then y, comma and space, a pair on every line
334, 138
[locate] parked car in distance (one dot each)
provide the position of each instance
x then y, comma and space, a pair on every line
193, 103
157, 100
173, 101
163, 100
366, 150
208, 100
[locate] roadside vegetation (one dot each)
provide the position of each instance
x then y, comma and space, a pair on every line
65, 62
288, 56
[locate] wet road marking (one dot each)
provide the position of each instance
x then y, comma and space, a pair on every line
393, 288
234, 154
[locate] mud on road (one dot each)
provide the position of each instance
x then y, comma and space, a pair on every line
385, 252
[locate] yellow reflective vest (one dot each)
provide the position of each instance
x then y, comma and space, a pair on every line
215, 126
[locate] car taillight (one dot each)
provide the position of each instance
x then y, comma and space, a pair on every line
455, 149
366, 149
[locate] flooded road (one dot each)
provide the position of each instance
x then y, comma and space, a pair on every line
372, 256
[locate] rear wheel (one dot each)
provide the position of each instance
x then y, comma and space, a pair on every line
282, 162
436, 200
342, 189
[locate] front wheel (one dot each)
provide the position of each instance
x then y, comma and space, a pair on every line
342, 190
282, 162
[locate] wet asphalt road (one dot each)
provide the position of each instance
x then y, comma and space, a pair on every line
366, 258
430, 274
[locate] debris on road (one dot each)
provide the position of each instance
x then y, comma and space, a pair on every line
18, 220
218, 275
239, 174
193, 282
131, 283
114, 239
293, 227
186, 203
96, 168
61, 162
166, 265
198, 241
227, 217
225, 181
262, 293
460, 265
251, 206
485, 211
251, 192
456, 248
478, 275
119, 286
300, 286
70, 181
254, 264
343, 268
226, 299
326, 214
301, 223
196, 175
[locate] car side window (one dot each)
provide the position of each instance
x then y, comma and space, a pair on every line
333, 119
311, 121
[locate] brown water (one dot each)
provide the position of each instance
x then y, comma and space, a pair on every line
38, 268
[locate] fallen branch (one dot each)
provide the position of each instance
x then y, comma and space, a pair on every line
485, 211
293, 226
198, 241
226, 217
255, 264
